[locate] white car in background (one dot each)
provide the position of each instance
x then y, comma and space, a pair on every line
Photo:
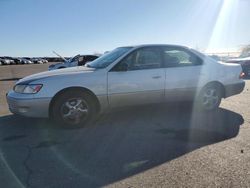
7, 61
126, 76
77, 60
25, 61
39, 61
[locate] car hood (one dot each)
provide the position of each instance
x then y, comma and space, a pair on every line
56, 64
57, 72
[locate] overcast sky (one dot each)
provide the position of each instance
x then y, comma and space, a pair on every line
36, 27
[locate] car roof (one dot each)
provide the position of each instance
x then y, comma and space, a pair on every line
85, 55
155, 45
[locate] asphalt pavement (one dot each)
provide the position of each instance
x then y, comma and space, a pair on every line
149, 146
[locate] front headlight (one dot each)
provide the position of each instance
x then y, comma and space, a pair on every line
28, 89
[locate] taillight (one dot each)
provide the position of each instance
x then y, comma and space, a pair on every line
242, 74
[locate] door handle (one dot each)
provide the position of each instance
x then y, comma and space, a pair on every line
156, 77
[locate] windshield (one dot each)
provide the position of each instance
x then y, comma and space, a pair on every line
73, 59
108, 58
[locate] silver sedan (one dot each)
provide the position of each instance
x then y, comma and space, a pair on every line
126, 76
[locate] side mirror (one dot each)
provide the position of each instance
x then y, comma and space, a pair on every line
122, 67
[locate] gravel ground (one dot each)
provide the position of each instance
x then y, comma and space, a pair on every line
151, 146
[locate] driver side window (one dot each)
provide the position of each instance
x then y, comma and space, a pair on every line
145, 58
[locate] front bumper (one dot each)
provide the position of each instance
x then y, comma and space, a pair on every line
234, 89
32, 107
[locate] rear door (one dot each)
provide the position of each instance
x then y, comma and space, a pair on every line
183, 73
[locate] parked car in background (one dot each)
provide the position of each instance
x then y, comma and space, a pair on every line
8, 60
29, 59
39, 61
20, 61
77, 60
244, 62
17, 61
25, 60
126, 76
44, 60
2, 60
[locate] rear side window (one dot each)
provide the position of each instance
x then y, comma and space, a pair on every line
177, 57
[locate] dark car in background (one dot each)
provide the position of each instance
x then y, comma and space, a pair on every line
244, 62
1, 61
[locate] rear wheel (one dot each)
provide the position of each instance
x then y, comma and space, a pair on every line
210, 97
73, 109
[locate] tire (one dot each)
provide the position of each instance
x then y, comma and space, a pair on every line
73, 109
61, 67
209, 98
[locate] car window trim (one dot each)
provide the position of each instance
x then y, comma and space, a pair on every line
181, 49
156, 47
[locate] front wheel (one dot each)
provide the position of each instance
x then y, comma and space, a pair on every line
73, 109
210, 97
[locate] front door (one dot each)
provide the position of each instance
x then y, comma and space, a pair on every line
137, 79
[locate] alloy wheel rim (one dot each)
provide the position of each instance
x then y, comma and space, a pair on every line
210, 98
74, 111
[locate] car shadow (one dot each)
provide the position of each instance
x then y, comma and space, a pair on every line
122, 143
